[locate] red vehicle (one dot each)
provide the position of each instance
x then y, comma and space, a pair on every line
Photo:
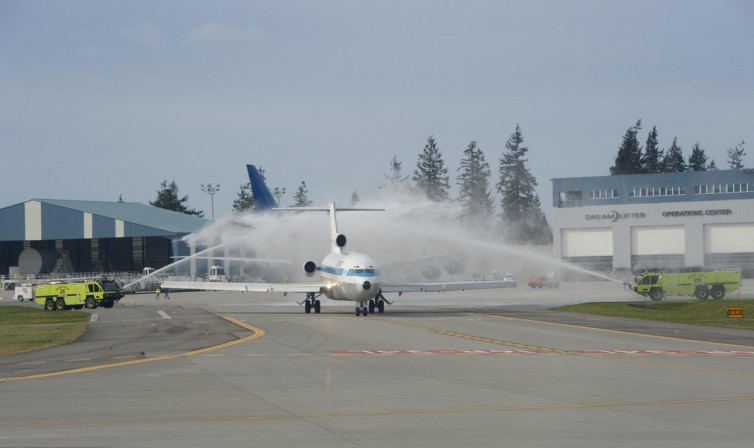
543, 281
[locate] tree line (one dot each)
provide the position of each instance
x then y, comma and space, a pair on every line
521, 219
632, 158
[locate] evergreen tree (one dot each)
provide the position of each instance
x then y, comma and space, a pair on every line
712, 166
697, 159
473, 183
245, 200
652, 157
395, 181
673, 161
355, 199
736, 156
430, 175
523, 220
167, 198
301, 198
629, 158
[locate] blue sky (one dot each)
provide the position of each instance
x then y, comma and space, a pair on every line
102, 98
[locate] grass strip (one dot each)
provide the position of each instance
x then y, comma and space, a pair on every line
24, 329
696, 312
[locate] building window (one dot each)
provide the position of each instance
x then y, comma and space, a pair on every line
724, 188
603, 194
569, 199
656, 191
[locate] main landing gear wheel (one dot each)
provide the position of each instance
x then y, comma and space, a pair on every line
378, 305
362, 309
311, 303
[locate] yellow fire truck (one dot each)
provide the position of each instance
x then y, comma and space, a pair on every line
700, 284
64, 296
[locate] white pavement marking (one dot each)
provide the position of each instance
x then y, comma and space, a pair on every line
94, 317
164, 315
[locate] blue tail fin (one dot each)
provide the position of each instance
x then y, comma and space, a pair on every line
263, 199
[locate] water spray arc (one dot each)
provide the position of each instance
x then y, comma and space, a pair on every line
173, 265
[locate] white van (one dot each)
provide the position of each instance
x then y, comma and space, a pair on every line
24, 291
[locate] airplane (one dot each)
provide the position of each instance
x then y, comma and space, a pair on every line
344, 275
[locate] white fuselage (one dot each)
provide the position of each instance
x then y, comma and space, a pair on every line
350, 276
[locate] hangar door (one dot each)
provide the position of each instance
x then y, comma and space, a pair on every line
657, 247
730, 245
589, 248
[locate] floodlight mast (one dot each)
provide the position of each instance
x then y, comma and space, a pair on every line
211, 190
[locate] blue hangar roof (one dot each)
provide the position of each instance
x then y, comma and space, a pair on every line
58, 219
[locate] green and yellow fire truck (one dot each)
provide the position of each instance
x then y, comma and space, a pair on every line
700, 284
64, 296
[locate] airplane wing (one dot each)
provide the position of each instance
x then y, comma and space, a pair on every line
442, 286
246, 259
244, 287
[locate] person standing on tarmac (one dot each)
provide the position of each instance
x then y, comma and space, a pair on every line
157, 293
167, 297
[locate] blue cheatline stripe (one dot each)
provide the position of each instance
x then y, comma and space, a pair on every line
362, 274
340, 271
332, 270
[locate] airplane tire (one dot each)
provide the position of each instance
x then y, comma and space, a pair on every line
365, 311
358, 311
381, 306
316, 306
308, 306
371, 306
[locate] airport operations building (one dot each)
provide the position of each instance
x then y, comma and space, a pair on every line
43, 236
656, 221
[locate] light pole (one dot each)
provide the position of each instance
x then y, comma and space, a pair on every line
211, 190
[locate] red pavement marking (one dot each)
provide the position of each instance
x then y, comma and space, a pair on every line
535, 352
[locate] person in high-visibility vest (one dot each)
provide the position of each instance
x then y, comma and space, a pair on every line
157, 293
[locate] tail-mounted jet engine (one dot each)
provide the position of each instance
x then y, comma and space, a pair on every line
309, 268
340, 240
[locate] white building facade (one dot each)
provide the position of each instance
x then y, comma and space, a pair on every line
656, 221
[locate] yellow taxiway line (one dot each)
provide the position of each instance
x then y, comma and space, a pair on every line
256, 332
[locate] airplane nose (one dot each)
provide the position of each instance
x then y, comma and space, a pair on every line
366, 285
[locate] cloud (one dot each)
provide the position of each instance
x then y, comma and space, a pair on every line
218, 32
148, 34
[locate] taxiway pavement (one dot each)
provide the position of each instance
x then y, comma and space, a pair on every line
473, 369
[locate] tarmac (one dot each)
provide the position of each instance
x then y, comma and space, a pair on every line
473, 369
